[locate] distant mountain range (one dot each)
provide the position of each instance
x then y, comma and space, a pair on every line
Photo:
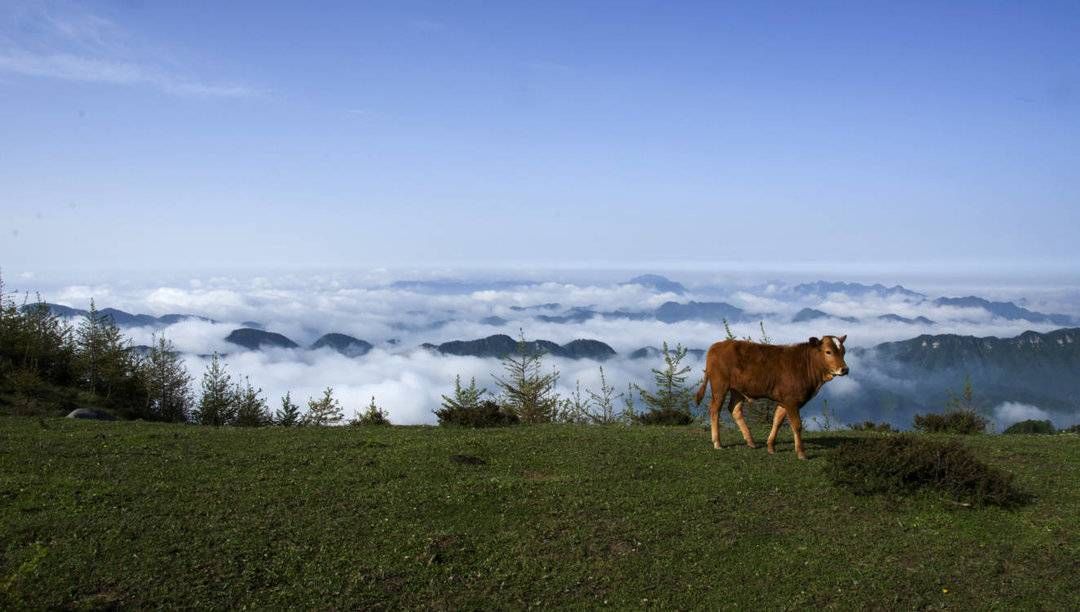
920, 374
898, 319
1005, 310
824, 288
668, 312
121, 318
501, 345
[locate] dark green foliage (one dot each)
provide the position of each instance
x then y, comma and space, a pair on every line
664, 416
1074, 429
1030, 426
466, 408
372, 415
289, 413
106, 366
487, 413
671, 395
960, 416
872, 426
904, 464
251, 409
48, 367
168, 385
963, 422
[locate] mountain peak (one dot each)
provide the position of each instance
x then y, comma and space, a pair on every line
257, 339
343, 343
657, 283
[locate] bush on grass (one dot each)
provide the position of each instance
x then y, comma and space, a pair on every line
871, 426
483, 414
964, 422
1030, 426
665, 416
904, 464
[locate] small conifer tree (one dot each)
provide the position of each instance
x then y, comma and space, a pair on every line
251, 409
604, 402
671, 392
289, 413
526, 390
217, 403
965, 400
324, 411
89, 343
464, 398
168, 384
577, 408
372, 415
629, 413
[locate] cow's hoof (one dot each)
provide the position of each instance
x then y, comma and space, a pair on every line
716, 445
772, 451
802, 456
751, 445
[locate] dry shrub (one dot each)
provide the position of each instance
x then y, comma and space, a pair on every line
904, 464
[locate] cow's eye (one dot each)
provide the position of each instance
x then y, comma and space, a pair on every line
828, 352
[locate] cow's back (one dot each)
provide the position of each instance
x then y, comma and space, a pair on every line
756, 370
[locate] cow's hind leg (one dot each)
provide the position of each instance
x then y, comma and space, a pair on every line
777, 421
796, 428
736, 405
718, 393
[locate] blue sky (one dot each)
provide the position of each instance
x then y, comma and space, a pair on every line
169, 135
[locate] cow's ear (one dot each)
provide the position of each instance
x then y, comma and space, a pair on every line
842, 338
814, 341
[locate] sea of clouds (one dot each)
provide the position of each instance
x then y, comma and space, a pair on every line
408, 382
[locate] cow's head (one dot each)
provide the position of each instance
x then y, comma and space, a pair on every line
831, 352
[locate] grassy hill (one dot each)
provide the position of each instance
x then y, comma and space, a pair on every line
137, 515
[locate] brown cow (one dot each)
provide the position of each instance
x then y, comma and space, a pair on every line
789, 375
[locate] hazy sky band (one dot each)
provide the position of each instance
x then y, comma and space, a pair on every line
364, 134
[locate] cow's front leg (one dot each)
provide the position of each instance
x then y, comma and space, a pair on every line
777, 421
796, 429
737, 415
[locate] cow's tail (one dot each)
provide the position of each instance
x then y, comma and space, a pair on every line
701, 392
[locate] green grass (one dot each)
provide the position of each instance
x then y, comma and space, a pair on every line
141, 515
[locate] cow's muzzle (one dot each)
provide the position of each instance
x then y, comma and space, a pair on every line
843, 371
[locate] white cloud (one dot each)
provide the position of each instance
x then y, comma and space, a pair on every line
407, 385
1008, 413
69, 43
70, 67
